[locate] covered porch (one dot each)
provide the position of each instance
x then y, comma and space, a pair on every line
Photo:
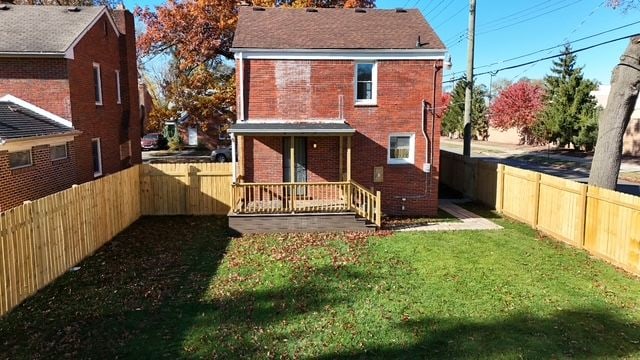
282, 177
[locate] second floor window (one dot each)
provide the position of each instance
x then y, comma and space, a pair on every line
97, 83
118, 96
366, 79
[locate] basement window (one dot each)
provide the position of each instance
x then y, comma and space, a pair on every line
20, 159
401, 148
59, 152
97, 83
366, 83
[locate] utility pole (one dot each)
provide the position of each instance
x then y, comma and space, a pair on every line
469, 89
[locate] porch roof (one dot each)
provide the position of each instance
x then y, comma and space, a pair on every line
291, 128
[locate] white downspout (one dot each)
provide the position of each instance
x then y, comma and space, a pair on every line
241, 88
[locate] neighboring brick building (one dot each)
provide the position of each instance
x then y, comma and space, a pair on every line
370, 77
37, 153
78, 63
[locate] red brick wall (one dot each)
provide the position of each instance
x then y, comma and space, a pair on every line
43, 178
130, 92
110, 121
303, 90
42, 82
263, 159
65, 87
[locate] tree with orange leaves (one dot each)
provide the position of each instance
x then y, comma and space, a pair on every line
198, 33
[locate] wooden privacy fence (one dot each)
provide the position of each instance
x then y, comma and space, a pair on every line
42, 239
185, 189
606, 223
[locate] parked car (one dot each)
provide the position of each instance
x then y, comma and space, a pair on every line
153, 141
221, 154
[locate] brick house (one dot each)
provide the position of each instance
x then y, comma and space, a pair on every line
78, 63
347, 95
37, 153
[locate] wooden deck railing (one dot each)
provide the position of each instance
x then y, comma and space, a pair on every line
365, 203
274, 198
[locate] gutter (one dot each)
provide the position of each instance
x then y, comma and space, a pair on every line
22, 54
39, 137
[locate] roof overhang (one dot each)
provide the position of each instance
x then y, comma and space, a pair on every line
340, 54
27, 105
23, 54
26, 143
291, 129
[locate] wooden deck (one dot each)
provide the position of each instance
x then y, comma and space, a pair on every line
295, 198
305, 222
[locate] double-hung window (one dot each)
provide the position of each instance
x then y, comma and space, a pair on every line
366, 83
401, 148
118, 91
97, 83
97, 157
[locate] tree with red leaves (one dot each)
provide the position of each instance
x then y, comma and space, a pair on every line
518, 107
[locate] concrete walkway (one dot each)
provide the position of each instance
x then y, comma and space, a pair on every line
470, 221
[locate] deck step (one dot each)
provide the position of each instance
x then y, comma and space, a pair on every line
304, 222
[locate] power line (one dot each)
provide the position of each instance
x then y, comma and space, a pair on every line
442, 10
548, 57
528, 19
435, 7
554, 47
510, 17
572, 32
452, 16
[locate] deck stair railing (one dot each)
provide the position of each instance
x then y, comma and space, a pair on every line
306, 197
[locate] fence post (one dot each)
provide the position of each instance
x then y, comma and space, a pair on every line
500, 189
193, 190
582, 214
536, 200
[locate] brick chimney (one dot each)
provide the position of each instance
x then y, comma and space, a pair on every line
131, 126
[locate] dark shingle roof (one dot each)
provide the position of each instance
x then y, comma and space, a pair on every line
286, 28
17, 122
41, 29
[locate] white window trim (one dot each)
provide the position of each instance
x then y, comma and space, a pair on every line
23, 166
97, 66
118, 94
412, 150
99, 172
374, 84
66, 151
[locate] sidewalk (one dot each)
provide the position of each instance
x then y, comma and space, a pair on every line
470, 221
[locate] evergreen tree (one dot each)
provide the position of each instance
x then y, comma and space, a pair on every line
453, 118
570, 109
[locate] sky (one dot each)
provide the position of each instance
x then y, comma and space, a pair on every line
506, 29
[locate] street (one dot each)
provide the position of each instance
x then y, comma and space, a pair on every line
547, 162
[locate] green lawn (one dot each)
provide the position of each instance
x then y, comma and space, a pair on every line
172, 287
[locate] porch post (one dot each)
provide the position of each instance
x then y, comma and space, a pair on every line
241, 157
233, 159
349, 158
292, 172
341, 157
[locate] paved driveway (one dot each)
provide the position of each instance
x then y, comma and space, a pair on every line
165, 156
